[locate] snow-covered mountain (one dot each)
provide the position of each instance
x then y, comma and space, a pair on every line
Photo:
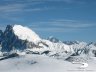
22, 50
19, 38
53, 39
25, 33
10, 41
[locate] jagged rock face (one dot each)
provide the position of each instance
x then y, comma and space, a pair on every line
1, 36
9, 41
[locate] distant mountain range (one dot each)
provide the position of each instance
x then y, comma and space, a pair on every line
18, 39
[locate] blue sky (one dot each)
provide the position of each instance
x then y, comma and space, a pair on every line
64, 19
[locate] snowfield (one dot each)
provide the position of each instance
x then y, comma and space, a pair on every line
42, 63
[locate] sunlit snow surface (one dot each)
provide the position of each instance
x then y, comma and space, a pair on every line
42, 63
25, 33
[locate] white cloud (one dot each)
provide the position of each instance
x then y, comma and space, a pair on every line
20, 7
52, 29
67, 23
62, 25
72, 24
10, 10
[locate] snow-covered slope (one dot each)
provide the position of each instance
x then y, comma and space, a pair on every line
25, 33
57, 50
37, 63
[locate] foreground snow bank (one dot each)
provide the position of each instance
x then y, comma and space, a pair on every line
41, 63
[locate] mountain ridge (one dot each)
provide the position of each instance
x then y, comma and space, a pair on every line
18, 38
